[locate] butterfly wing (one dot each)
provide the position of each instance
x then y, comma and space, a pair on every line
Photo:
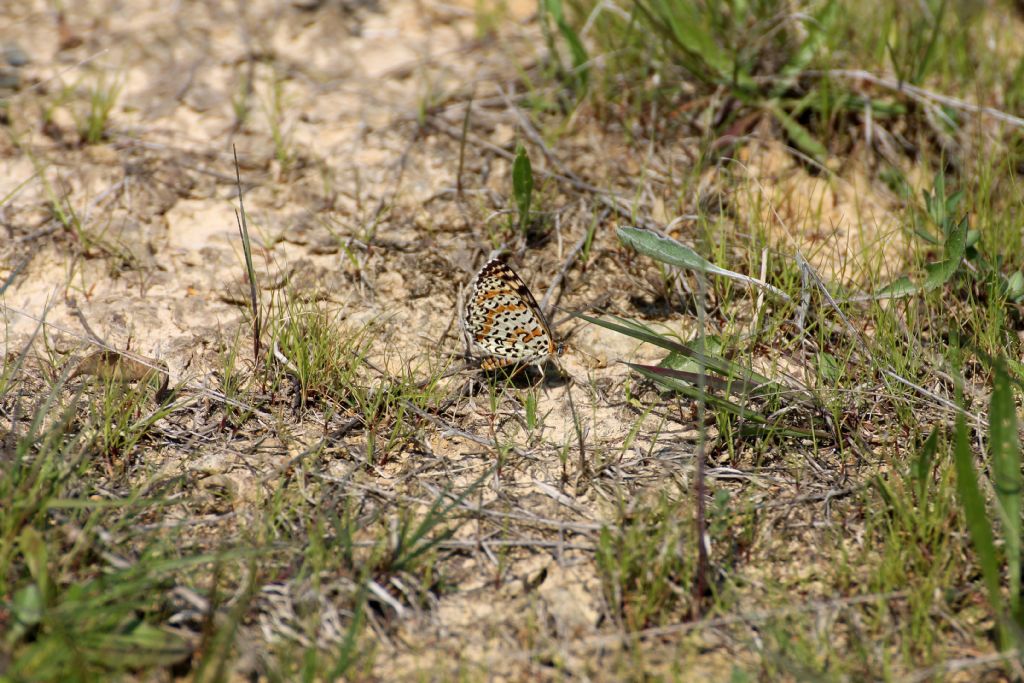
504, 319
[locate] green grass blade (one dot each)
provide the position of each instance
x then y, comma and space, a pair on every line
978, 523
935, 201
522, 185
1015, 286
922, 467
695, 378
250, 271
929, 54
348, 652
140, 645
1006, 476
413, 543
723, 367
581, 73
817, 28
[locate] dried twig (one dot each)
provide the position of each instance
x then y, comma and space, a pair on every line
922, 95
462, 145
951, 666
77, 313
562, 272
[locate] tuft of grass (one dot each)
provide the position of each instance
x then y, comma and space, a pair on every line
235, 384
118, 418
91, 627
785, 62
317, 353
700, 371
646, 563
77, 605
913, 546
275, 104
103, 98
45, 459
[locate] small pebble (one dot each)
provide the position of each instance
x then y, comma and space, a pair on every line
14, 55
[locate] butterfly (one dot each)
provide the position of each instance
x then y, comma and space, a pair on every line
504, 319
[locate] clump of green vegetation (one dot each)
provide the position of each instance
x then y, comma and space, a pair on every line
798, 65
648, 565
317, 353
91, 568
67, 609
103, 98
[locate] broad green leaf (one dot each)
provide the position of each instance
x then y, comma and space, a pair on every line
900, 287
956, 244
926, 236
667, 250
27, 605
952, 202
956, 240
1004, 445
33, 549
938, 273
1015, 286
